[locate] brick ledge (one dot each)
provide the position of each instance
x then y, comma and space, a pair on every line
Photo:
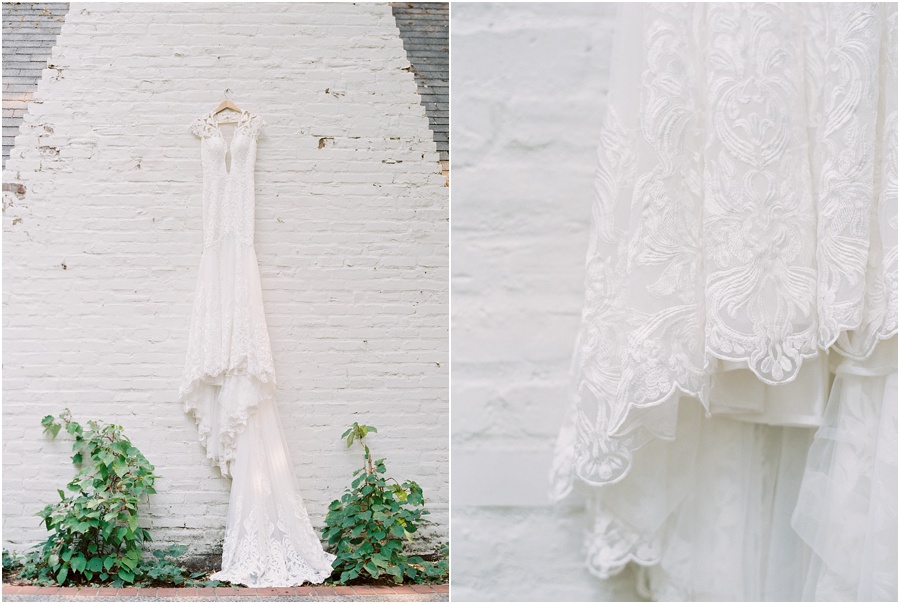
357, 593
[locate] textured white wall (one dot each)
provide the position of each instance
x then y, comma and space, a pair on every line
529, 84
100, 252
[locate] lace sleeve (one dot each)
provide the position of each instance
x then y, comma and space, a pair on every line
255, 124
200, 127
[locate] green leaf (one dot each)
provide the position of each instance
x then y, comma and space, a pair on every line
371, 569
95, 564
126, 576
63, 573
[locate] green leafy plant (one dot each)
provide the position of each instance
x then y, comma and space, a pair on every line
94, 528
12, 562
162, 569
95, 535
368, 526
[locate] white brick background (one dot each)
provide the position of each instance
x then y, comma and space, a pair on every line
100, 253
529, 85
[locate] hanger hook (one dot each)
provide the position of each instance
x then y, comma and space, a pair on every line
228, 93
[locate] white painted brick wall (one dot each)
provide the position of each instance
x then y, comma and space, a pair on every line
352, 241
529, 84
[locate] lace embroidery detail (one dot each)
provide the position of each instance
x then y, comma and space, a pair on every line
745, 211
845, 158
610, 545
269, 538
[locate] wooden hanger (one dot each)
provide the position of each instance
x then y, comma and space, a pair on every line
227, 104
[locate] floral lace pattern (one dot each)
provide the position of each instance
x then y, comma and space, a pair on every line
269, 538
745, 212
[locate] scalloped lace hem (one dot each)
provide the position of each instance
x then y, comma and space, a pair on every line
252, 578
221, 406
629, 433
851, 459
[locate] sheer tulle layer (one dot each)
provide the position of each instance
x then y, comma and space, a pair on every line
847, 507
221, 406
269, 539
733, 510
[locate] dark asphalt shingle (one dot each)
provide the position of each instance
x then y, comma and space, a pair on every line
425, 30
29, 33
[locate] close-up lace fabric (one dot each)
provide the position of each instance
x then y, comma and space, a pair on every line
733, 420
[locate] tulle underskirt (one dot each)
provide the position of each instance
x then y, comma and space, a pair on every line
735, 510
222, 405
269, 539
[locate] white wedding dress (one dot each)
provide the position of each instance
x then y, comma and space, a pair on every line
229, 378
734, 417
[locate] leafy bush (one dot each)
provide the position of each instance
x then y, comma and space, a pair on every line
94, 528
12, 562
162, 568
367, 527
94, 531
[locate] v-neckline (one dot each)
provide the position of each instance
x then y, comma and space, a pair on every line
237, 127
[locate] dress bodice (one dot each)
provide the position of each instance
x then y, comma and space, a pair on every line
228, 182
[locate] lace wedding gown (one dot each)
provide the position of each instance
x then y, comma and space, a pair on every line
734, 417
229, 378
